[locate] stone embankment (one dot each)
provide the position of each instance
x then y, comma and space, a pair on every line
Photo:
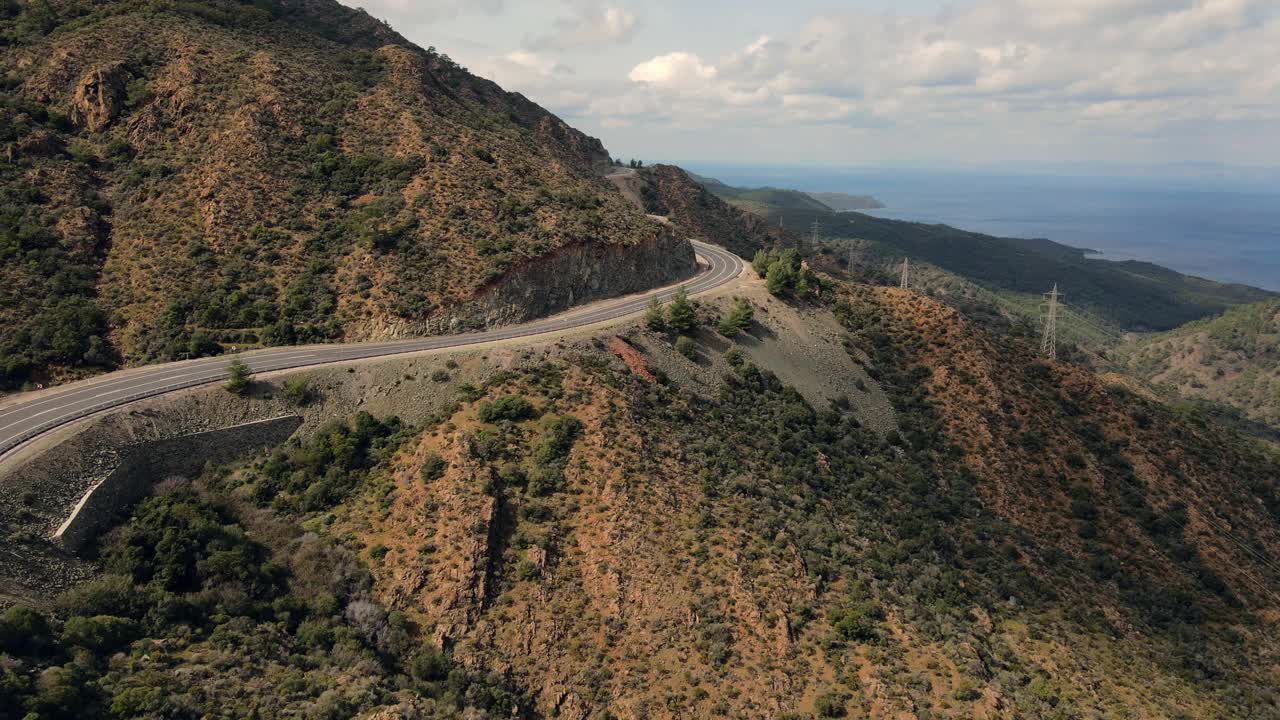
143, 464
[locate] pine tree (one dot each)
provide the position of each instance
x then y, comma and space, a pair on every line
680, 314
791, 258
760, 263
743, 313
654, 317
802, 283
738, 319
779, 278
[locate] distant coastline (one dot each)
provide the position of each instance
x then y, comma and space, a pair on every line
1226, 232
844, 202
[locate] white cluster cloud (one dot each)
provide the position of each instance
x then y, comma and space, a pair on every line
972, 78
1153, 62
675, 71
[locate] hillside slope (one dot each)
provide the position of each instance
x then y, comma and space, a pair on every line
188, 176
589, 536
1232, 359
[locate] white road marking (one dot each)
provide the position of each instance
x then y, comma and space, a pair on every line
87, 398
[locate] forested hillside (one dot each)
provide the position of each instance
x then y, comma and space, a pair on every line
595, 537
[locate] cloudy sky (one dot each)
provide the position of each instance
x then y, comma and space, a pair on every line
912, 83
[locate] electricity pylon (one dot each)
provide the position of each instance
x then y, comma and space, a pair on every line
906, 274
817, 228
1049, 341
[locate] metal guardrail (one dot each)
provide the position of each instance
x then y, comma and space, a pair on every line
29, 435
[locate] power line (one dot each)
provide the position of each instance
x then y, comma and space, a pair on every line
1093, 324
1049, 341
1222, 528
1258, 585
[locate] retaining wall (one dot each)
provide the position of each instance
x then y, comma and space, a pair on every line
149, 462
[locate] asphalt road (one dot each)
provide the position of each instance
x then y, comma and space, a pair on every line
27, 419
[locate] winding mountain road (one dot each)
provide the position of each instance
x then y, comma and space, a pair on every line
30, 416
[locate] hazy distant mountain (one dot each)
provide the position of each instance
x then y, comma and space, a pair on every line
758, 200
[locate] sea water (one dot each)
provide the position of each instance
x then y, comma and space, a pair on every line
1225, 230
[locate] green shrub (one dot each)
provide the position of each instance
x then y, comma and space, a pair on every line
316, 634
557, 440
178, 544
526, 570
511, 408
327, 468
433, 467
298, 391
429, 665
238, 382
830, 705
102, 634
61, 692
545, 480
858, 622
686, 347
23, 631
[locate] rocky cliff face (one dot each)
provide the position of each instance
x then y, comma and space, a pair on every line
581, 274
280, 173
558, 281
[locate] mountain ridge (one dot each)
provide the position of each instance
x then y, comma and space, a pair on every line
215, 174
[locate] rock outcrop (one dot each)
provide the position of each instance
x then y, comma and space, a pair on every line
99, 97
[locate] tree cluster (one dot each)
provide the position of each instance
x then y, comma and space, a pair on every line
784, 273
678, 316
